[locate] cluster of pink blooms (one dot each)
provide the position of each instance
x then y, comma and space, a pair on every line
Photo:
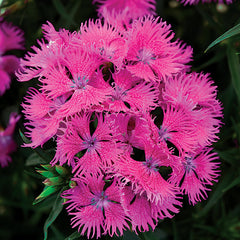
119, 100
7, 142
11, 38
194, 2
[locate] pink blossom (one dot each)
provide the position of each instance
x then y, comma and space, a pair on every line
122, 20
194, 2
132, 129
47, 55
42, 115
103, 40
177, 127
144, 213
75, 76
96, 207
7, 143
196, 172
11, 37
152, 54
136, 8
196, 93
131, 94
83, 150
144, 175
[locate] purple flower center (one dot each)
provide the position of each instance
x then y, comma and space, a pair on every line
188, 164
145, 56
90, 143
100, 200
163, 133
80, 82
118, 94
150, 164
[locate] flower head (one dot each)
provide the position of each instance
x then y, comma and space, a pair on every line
7, 143
152, 54
96, 207
196, 172
194, 2
84, 149
136, 8
11, 37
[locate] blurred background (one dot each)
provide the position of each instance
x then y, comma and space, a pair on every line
218, 217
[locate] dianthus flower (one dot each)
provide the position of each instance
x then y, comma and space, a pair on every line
144, 213
7, 143
152, 54
197, 171
194, 2
196, 94
11, 38
96, 207
129, 93
135, 8
133, 126
86, 151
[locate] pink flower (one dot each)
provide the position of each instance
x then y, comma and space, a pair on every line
152, 54
132, 129
96, 207
177, 127
195, 173
144, 213
84, 150
122, 20
11, 37
196, 93
104, 40
42, 115
129, 93
7, 143
143, 174
193, 2
47, 55
75, 76
136, 8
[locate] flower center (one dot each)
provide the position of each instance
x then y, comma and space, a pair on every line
188, 164
100, 201
80, 82
119, 93
163, 134
150, 164
145, 56
90, 143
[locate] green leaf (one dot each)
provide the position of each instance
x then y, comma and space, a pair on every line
231, 156
61, 170
234, 183
47, 191
57, 208
158, 234
46, 174
24, 138
230, 33
74, 236
218, 193
33, 160
234, 67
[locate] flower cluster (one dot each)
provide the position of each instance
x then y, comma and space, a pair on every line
194, 2
135, 126
7, 143
11, 38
